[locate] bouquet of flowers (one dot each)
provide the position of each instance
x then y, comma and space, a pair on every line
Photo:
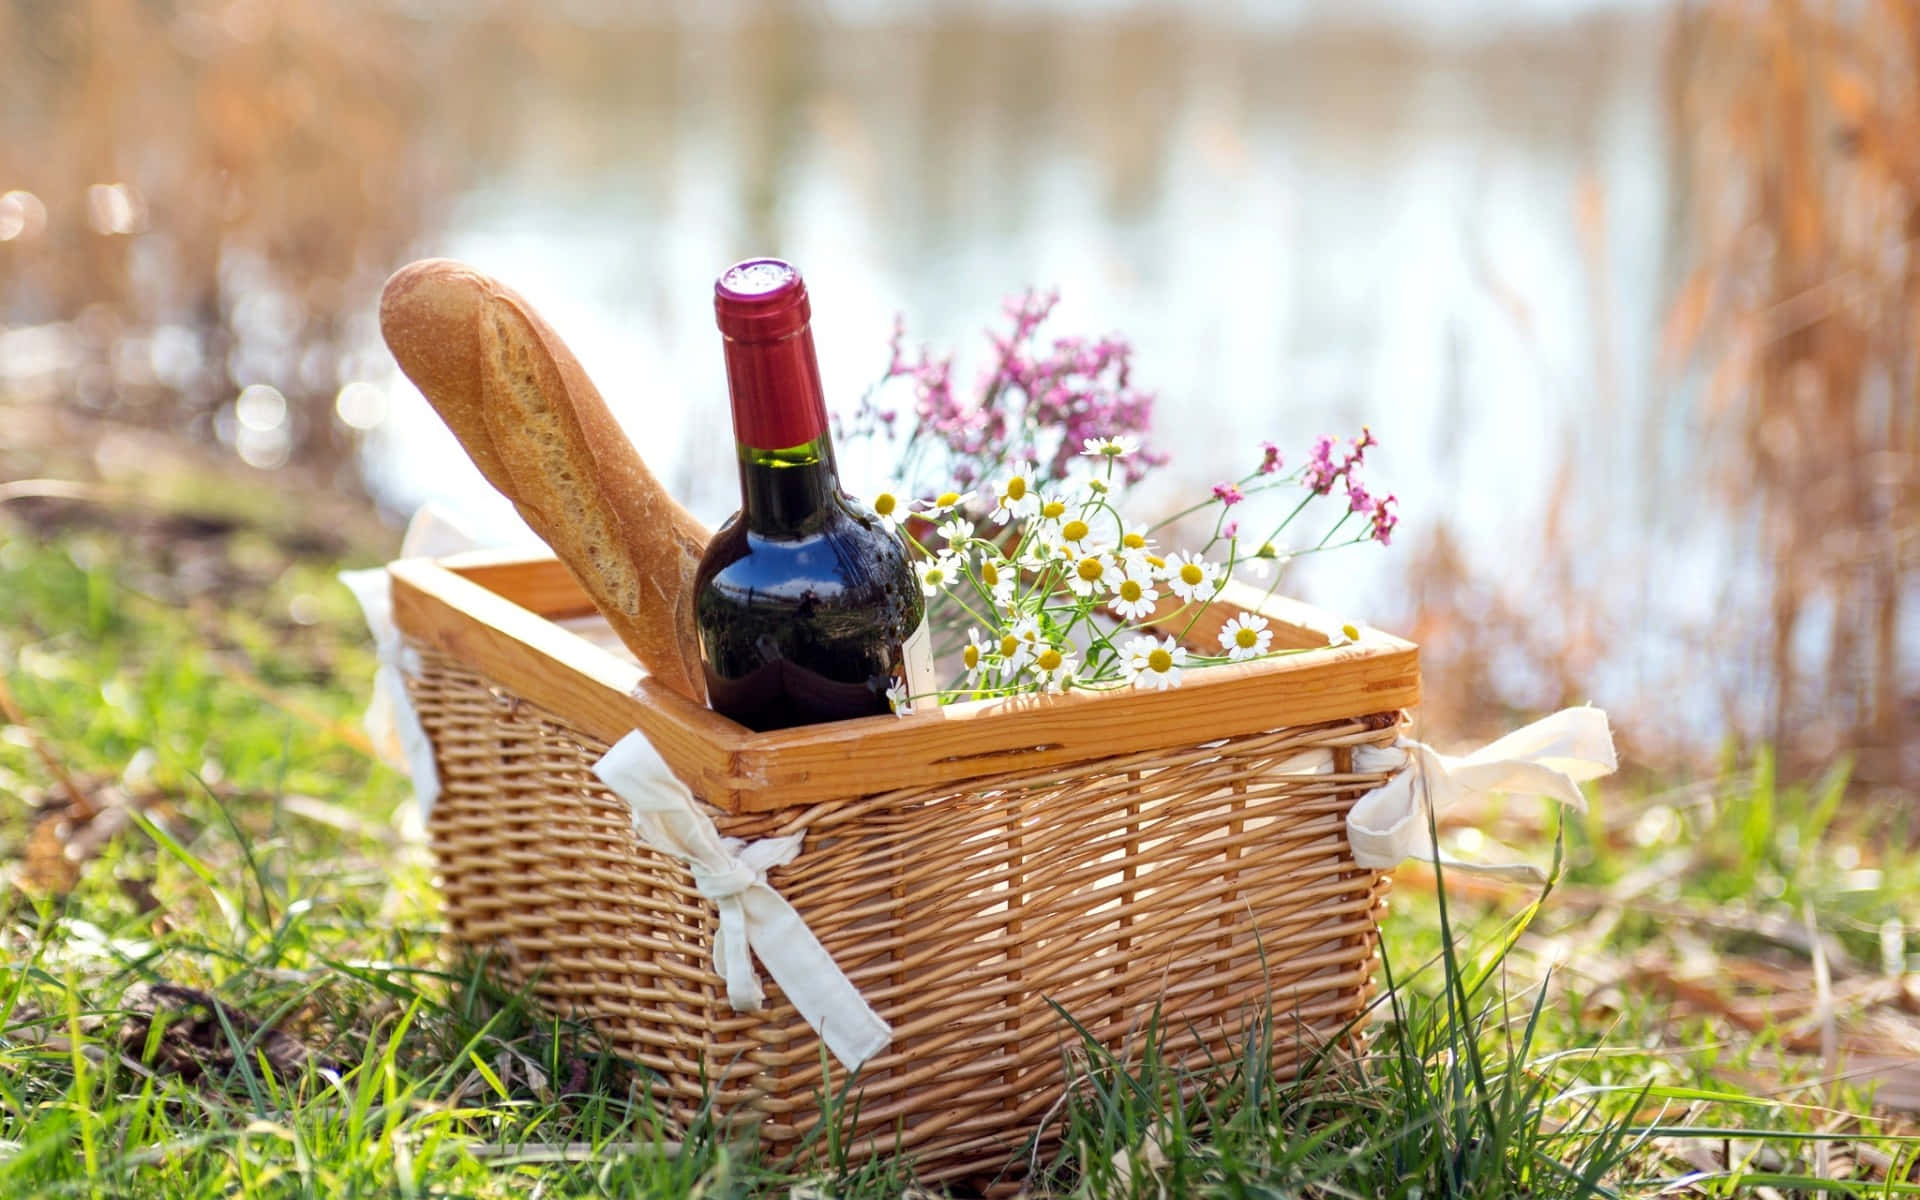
1011, 500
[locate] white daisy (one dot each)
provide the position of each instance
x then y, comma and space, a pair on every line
1134, 595
1052, 507
1134, 547
1054, 667
970, 654
888, 506
1261, 565
939, 574
943, 504
1151, 664
1089, 573
1191, 577
1042, 549
897, 698
1027, 629
1016, 497
1111, 447
1077, 535
1015, 652
999, 577
1246, 636
955, 530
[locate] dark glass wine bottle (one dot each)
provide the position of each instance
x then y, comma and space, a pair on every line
807, 606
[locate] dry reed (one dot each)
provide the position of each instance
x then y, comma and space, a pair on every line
1800, 121
212, 193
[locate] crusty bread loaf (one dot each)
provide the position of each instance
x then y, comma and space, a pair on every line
537, 428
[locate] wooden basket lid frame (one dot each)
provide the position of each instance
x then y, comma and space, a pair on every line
496, 612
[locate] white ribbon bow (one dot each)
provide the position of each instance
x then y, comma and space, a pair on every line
1550, 757
733, 874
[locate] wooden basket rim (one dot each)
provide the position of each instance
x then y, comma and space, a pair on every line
495, 612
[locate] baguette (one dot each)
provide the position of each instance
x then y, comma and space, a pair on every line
537, 428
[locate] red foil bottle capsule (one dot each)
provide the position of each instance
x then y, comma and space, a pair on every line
772, 375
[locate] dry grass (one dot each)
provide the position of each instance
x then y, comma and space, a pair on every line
1801, 128
215, 190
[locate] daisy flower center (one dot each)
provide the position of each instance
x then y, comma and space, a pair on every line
1052, 509
947, 499
1090, 569
1192, 574
1130, 591
989, 574
1243, 637
884, 504
970, 656
1008, 645
1160, 660
1074, 530
1016, 488
936, 576
1049, 659
1133, 541
1157, 561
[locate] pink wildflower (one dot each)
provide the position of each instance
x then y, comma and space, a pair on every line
1357, 498
1320, 473
897, 359
1076, 386
1384, 518
1228, 494
1358, 454
1269, 458
1038, 398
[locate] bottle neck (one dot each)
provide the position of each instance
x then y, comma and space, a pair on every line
775, 388
787, 473
783, 492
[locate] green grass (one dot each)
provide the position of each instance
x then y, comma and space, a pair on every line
210, 690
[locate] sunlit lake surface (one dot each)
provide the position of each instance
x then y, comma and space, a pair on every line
1459, 224
1461, 241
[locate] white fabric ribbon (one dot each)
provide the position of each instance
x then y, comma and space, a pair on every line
1392, 823
398, 737
733, 874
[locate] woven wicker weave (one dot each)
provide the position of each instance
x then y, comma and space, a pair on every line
1190, 881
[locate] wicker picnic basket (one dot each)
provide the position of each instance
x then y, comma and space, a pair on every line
1122, 855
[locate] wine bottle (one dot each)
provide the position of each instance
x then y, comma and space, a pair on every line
807, 606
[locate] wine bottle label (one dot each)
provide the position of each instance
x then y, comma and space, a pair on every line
916, 658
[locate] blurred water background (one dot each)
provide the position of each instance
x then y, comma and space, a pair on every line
1622, 288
